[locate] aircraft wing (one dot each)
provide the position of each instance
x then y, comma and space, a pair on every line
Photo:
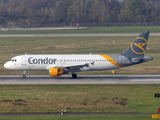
78, 65
70, 66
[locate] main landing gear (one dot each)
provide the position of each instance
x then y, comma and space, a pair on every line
74, 75
24, 74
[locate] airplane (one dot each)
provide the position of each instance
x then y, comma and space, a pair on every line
59, 64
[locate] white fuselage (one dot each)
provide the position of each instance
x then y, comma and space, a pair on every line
44, 62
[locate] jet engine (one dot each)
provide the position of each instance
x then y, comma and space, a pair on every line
55, 72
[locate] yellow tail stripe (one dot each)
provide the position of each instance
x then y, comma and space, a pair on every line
142, 38
111, 60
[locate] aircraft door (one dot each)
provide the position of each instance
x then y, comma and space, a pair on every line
62, 61
24, 60
121, 60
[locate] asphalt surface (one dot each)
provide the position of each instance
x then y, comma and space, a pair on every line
82, 79
76, 34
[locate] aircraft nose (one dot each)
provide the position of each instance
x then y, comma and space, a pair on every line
7, 65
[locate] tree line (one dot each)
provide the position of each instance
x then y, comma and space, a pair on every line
29, 12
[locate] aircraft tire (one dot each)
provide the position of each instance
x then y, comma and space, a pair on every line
74, 76
24, 76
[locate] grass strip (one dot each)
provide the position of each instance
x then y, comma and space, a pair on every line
91, 117
79, 98
10, 47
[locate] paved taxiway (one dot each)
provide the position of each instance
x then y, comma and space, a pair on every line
82, 79
74, 35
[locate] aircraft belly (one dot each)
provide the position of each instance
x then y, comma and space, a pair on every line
36, 68
104, 66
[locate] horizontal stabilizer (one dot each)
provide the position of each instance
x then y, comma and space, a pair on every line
146, 58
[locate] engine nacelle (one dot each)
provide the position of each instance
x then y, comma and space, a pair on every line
55, 72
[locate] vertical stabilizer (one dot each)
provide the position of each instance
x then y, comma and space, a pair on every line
138, 47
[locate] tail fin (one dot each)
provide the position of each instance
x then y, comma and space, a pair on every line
138, 47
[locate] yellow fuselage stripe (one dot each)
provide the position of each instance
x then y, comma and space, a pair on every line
111, 60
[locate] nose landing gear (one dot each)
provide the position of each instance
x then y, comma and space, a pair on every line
24, 74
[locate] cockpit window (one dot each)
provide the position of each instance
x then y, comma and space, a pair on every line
13, 60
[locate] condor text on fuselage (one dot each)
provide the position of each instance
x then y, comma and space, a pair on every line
32, 60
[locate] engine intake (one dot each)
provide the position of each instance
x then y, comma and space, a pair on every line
55, 72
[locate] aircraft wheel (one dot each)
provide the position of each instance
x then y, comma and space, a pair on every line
74, 75
24, 76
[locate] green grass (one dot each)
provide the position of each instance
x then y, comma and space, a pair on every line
78, 45
79, 98
120, 29
91, 117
